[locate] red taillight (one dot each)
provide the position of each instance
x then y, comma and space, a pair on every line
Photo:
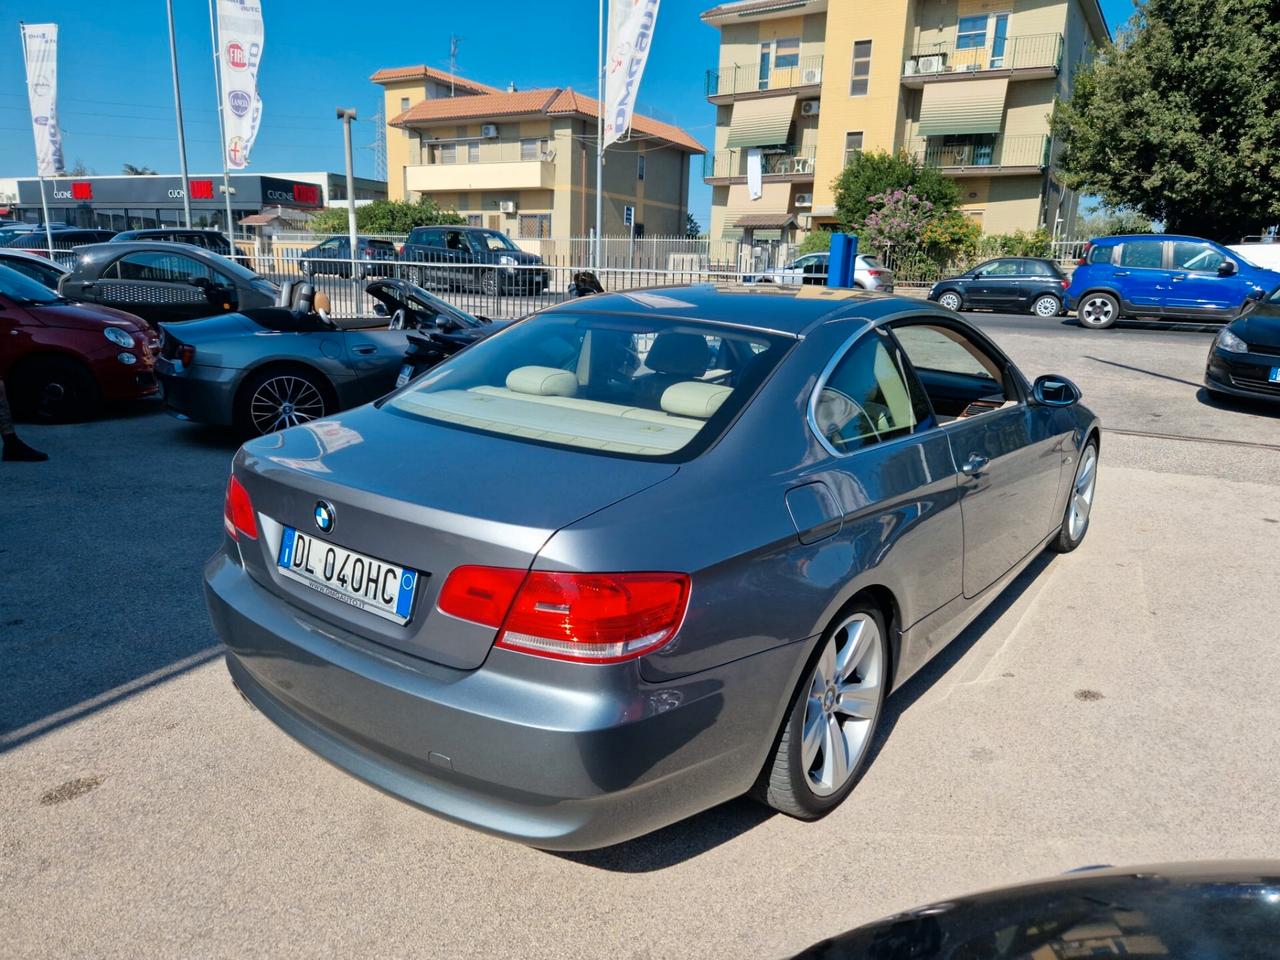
1084, 255
237, 511
876, 273
582, 617
186, 354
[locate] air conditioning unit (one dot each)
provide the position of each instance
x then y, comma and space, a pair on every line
489, 131
810, 76
804, 199
507, 206
930, 64
809, 108
972, 67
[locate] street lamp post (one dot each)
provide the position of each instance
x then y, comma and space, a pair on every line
346, 115
177, 106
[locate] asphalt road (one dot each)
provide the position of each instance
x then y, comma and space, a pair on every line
1115, 706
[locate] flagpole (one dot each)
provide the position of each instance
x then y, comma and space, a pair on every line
222, 133
48, 230
600, 148
177, 106
44, 200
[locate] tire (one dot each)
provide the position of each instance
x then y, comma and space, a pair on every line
284, 397
1046, 306
951, 300
1097, 310
1075, 519
57, 389
808, 776
489, 284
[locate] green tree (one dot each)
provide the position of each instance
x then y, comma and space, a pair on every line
692, 228
131, 170
874, 173
385, 216
817, 241
1180, 120
1105, 222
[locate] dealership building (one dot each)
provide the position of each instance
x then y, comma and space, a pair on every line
132, 202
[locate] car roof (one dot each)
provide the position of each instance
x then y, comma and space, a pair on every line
778, 308
164, 231
1122, 237
13, 253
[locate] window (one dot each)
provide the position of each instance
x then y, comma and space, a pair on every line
1038, 268
640, 166
852, 146
866, 398
1101, 254
861, 68
448, 153
533, 149
473, 152
1001, 268
1142, 253
765, 54
1198, 257
475, 220
163, 268
971, 32
535, 225
786, 53
609, 385
959, 376
404, 104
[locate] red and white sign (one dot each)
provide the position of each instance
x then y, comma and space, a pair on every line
237, 59
240, 36
307, 193
201, 189
81, 190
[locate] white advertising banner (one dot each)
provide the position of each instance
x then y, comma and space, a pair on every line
240, 53
631, 25
40, 52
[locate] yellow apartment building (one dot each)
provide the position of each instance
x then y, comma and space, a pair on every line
524, 161
964, 85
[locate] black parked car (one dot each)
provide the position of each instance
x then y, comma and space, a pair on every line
1008, 283
212, 240
1244, 360
65, 239
334, 256
164, 282
473, 258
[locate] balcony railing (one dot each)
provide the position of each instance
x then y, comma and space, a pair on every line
737, 78
794, 162
1041, 50
997, 151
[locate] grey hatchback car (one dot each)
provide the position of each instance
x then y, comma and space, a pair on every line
639, 554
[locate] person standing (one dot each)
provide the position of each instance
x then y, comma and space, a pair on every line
14, 449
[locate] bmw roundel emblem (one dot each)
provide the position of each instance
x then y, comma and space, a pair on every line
325, 516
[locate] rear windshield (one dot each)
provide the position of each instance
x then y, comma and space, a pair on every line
613, 384
873, 263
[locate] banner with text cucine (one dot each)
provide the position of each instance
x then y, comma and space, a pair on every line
631, 25
40, 52
240, 52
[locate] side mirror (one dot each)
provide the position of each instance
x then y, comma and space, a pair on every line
202, 282
380, 309
1227, 268
1052, 390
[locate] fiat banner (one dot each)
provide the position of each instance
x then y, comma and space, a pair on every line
239, 53
40, 52
631, 24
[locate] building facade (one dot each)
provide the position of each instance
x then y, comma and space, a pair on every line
524, 161
963, 85
139, 202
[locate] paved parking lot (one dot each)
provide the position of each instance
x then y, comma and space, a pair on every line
1116, 706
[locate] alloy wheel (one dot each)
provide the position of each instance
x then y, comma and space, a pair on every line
1097, 311
489, 283
950, 300
1046, 307
1082, 493
842, 705
284, 401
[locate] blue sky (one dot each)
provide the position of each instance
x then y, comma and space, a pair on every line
116, 102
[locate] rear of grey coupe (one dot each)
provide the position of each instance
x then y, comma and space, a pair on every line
567, 588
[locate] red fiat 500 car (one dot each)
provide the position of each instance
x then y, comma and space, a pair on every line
60, 359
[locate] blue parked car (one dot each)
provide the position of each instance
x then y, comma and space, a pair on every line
1160, 275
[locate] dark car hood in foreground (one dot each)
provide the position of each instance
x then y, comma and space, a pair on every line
1220, 910
81, 316
1260, 327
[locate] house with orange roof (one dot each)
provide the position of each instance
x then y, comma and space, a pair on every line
523, 161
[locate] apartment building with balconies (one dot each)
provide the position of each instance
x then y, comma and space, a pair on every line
523, 161
964, 85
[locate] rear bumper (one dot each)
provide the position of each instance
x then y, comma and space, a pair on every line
201, 393
1242, 375
504, 749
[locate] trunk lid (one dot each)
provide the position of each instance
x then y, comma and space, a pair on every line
425, 497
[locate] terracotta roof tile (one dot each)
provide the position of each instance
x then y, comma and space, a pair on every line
391, 74
552, 101
749, 7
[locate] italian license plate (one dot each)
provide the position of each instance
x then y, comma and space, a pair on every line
406, 373
1275, 375
364, 582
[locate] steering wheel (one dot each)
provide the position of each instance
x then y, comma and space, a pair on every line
398, 319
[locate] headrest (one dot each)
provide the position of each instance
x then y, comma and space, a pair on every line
321, 303
285, 297
542, 381
304, 295
679, 354
689, 399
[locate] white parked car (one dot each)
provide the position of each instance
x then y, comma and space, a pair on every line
868, 272
1265, 255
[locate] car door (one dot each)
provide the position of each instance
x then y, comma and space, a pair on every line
1008, 453
375, 357
1196, 289
1003, 284
1141, 276
164, 287
14, 338
977, 285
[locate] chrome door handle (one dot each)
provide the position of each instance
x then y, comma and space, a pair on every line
366, 350
975, 465
1177, 277
1120, 273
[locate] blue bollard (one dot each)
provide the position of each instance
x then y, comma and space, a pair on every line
844, 250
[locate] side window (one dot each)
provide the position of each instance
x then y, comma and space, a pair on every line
1003, 268
1101, 254
1142, 253
1037, 268
866, 398
163, 268
959, 376
1199, 257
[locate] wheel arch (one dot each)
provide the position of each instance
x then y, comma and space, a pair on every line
1110, 292
48, 352
282, 365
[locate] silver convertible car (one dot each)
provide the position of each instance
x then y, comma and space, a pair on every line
641, 553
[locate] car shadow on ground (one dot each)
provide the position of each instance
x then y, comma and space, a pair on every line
1260, 408
1198, 327
705, 831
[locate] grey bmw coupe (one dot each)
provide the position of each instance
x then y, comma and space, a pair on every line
641, 553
